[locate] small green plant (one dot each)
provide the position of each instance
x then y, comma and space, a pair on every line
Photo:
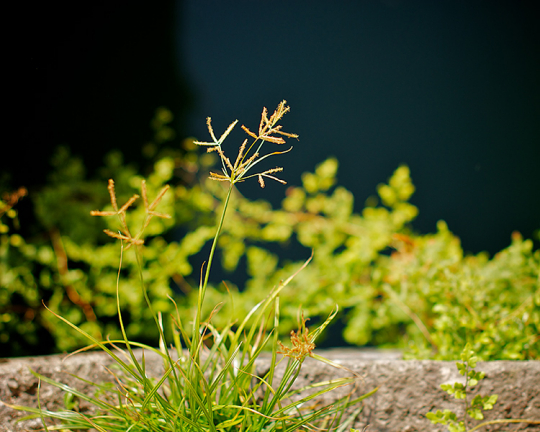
210, 381
473, 409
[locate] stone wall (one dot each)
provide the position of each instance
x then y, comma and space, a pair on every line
407, 389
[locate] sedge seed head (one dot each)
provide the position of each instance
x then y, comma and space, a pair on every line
125, 234
249, 156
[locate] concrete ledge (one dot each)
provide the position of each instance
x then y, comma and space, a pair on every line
407, 389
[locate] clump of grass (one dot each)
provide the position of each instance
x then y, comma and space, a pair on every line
210, 381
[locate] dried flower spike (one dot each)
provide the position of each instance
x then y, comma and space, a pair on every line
125, 234
114, 204
150, 208
247, 159
302, 343
9, 200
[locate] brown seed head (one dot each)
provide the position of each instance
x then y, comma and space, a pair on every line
302, 345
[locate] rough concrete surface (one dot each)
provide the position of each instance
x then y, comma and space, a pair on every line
407, 389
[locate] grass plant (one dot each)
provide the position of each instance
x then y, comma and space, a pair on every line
210, 380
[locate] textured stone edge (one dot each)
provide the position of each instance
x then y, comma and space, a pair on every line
407, 389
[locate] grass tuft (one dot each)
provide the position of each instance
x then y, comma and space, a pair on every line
210, 380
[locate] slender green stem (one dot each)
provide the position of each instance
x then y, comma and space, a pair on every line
147, 384
214, 244
202, 289
504, 421
465, 401
194, 370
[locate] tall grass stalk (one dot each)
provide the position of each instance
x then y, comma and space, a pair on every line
211, 381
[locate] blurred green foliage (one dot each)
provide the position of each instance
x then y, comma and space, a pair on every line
395, 287
398, 288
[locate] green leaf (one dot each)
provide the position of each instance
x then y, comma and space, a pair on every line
475, 413
476, 400
436, 417
444, 417
457, 427
490, 402
448, 388
460, 394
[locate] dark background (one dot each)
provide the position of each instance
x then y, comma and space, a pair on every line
450, 88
